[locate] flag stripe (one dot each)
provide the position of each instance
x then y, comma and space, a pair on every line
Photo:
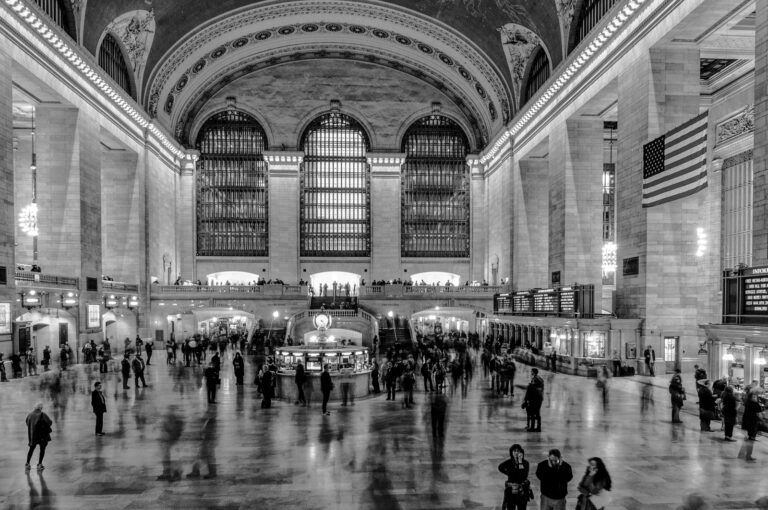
674, 165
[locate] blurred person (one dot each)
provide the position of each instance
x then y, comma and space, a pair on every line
31, 362
650, 360
326, 386
517, 486
438, 410
375, 378
171, 428
268, 381
728, 407
594, 486
646, 396
408, 382
211, 381
534, 397
751, 418
677, 395
207, 450
603, 376
694, 501
125, 368
3, 376
554, 474
238, 365
99, 405
138, 370
46, 358
148, 349
38, 434
706, 404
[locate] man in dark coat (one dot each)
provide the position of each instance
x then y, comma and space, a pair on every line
99, 405
650, 359
326, 386
125, 368
554, 474
706, 404
148, 349
211, 380
38, 434
138, 370
267, 387
534, 396
239, 366
300, 379
677, 395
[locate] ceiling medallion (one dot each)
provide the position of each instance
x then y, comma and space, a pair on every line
357, 29
309, 27
286, 30
261, 36
333, 27
218, 52
240, 42
381, 34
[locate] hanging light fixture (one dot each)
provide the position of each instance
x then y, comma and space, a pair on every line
761, 357
728, 356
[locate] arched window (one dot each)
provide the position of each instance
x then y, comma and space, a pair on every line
335, 188
232, 187
435, 190
59, 13
538, 74
111, 59
590, 15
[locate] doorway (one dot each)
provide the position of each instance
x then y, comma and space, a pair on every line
672, 353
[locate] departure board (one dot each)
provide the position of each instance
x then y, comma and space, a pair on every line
756, 291
567, 300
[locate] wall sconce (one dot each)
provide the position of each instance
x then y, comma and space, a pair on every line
728, 356
69, 300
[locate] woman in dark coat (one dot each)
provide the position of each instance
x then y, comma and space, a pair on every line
706, 404
750, 418
729, 412
517, 486
239, 366
38, 434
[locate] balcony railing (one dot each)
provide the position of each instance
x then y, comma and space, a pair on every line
211, 290
109, 284
30, 279
429, 290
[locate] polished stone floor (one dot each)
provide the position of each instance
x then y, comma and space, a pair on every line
373, 455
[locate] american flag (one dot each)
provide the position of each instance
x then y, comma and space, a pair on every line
674, 165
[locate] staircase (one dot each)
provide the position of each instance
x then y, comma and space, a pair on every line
389, 337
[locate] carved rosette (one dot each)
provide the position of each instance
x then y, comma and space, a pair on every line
519, 43
741, 123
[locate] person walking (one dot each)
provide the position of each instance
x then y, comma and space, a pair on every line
38, 434
534, 397
426, 373
603, 376
517, 485
408, 382
650, 359
148, 349
390, 379
211, 380
375, 378
138, 370
125, 368
616, 361
239, 366
31, 362
99, 405
46, 358
751, 418
729, 412
300, 379
594, 486
267, 387
326, 386
677, 395
554, 474
706, 404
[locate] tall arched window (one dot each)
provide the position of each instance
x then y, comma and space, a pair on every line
538, 74
232, 202
435, 190
59, 13
335, 188
590, 15
111, 59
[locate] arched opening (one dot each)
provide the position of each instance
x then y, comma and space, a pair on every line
112, 61
232, 206
232, 278
590, 14
538, 74
117, 325
335, 188
51, 330
324, 284
439, 324
435, 190
436, 278
61, 14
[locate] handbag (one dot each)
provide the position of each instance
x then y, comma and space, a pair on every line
601, 500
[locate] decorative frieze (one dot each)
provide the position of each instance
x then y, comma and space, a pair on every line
565, 10
519, 44
740, 124
136, 30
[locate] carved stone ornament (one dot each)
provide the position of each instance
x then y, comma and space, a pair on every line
565, 10
136, 30
519, 43
743, 122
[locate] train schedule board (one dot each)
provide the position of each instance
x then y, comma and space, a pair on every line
755, 291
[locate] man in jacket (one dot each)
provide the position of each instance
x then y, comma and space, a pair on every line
677, 395
125, 368
554, 474
211, 380
326, 386
148, 349
650, 359
138, 370
534, 397
99, 405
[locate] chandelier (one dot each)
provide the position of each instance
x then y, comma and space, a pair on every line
28, 220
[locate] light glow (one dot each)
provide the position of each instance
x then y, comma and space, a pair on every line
28, 220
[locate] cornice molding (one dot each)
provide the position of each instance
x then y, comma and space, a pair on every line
283, 160
736, 125
386, 160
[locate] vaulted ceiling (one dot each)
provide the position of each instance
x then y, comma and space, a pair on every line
190, 49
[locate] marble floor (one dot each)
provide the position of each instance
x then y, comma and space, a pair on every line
373, 455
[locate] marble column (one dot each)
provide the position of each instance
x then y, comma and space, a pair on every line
7, 214
284, 190
478, 221
186, 216
576, 202
498, 194
531, 226
385, 215
760, 187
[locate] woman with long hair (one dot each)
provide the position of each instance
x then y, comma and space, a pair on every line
594, 486
517, 486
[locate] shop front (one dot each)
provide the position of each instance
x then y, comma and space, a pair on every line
738, 352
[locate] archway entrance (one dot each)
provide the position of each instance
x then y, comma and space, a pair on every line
118, 325
436, 278
335, 283
232, 278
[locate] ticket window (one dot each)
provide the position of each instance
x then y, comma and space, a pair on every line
346, 360
314, 363
332, 359
594, 344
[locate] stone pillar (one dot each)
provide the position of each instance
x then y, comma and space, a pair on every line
576, 202
531, 226
284, 191
122, 246
385, 216
186, 216
478, 218
760, 186
498, 196
659, 92
7, 214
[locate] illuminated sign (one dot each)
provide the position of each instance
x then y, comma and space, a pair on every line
110, 302
133, 302
31, 299
94, 316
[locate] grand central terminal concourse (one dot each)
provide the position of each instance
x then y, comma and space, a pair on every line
384, 254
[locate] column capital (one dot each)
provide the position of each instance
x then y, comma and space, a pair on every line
385, 159
189, 162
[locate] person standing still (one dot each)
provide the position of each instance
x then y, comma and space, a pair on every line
138, 371
38, 434
99, 405
554, 474
211, 380
239, 366
326, 386
300, 379
616, 363
148, 349
125, 368
650, 360
517, 485
677, 395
